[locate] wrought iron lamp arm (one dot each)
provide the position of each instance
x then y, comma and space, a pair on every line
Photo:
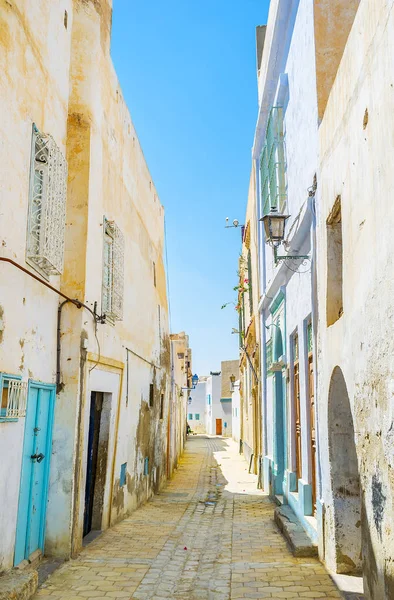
278, 257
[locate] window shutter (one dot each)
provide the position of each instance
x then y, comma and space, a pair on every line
273, 164
250, 283
118, 275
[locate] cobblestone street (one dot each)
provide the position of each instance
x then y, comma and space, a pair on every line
209, 535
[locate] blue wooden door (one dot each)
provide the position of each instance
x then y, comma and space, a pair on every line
33, 492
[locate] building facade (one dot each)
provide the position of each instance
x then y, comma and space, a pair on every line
198, 407
285, 154
181, 372
209, 408
84, 347
249, 336
355, 279
298, 54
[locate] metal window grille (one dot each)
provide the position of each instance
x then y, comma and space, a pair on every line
190, 417
47, 205
197, 416
14, 393
113, 272
273, 163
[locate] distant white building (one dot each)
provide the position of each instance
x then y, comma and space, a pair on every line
209, 408
196, 407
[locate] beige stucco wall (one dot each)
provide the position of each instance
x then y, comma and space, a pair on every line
180, 356
355, 151
109, 177
250, 394
34, 88
62, 78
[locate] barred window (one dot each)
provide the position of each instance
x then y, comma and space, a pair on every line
273, 164
113, 272
13, 396
47, 206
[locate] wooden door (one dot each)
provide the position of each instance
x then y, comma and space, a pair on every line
311, 390
297, 421
33, 492
218, 426
96, 406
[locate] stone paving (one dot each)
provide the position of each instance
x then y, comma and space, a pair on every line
209, 535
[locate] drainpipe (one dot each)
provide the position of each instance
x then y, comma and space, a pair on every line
58, 345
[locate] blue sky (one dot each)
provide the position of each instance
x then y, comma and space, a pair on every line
188, 74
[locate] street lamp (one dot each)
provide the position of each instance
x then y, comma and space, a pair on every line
232, 382
194, 383
274, 227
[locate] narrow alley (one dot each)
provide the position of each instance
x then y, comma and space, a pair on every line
208, 535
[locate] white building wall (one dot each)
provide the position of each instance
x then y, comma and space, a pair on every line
356, 146
197, 406
290, 83
236, 413
34, 88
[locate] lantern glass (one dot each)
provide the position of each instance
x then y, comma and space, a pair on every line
274, 226
194, 380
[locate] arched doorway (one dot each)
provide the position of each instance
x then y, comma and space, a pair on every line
345, 478
279, 415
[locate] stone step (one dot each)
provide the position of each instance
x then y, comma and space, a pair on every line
18, 584
298, 540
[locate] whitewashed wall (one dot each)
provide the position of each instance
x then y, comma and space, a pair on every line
355, 152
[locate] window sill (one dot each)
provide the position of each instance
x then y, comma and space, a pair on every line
9, 420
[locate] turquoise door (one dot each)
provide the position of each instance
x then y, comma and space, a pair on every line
33, 492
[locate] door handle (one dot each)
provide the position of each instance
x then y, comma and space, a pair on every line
38, 457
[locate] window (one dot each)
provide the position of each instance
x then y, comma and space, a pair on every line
269, 356
197, 417
151, 395
113, 272
273, 165
181, 355
334, 264
47, 206
154, 274
123, 471
208, 399
13, 397
309, 337
190, 417
162, 406
297, 429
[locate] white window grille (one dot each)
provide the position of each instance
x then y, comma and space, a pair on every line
47, 205
13, 398
113, 272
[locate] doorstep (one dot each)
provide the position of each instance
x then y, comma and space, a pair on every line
18, 584
298, 540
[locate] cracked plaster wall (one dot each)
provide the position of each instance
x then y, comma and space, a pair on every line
354, 164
